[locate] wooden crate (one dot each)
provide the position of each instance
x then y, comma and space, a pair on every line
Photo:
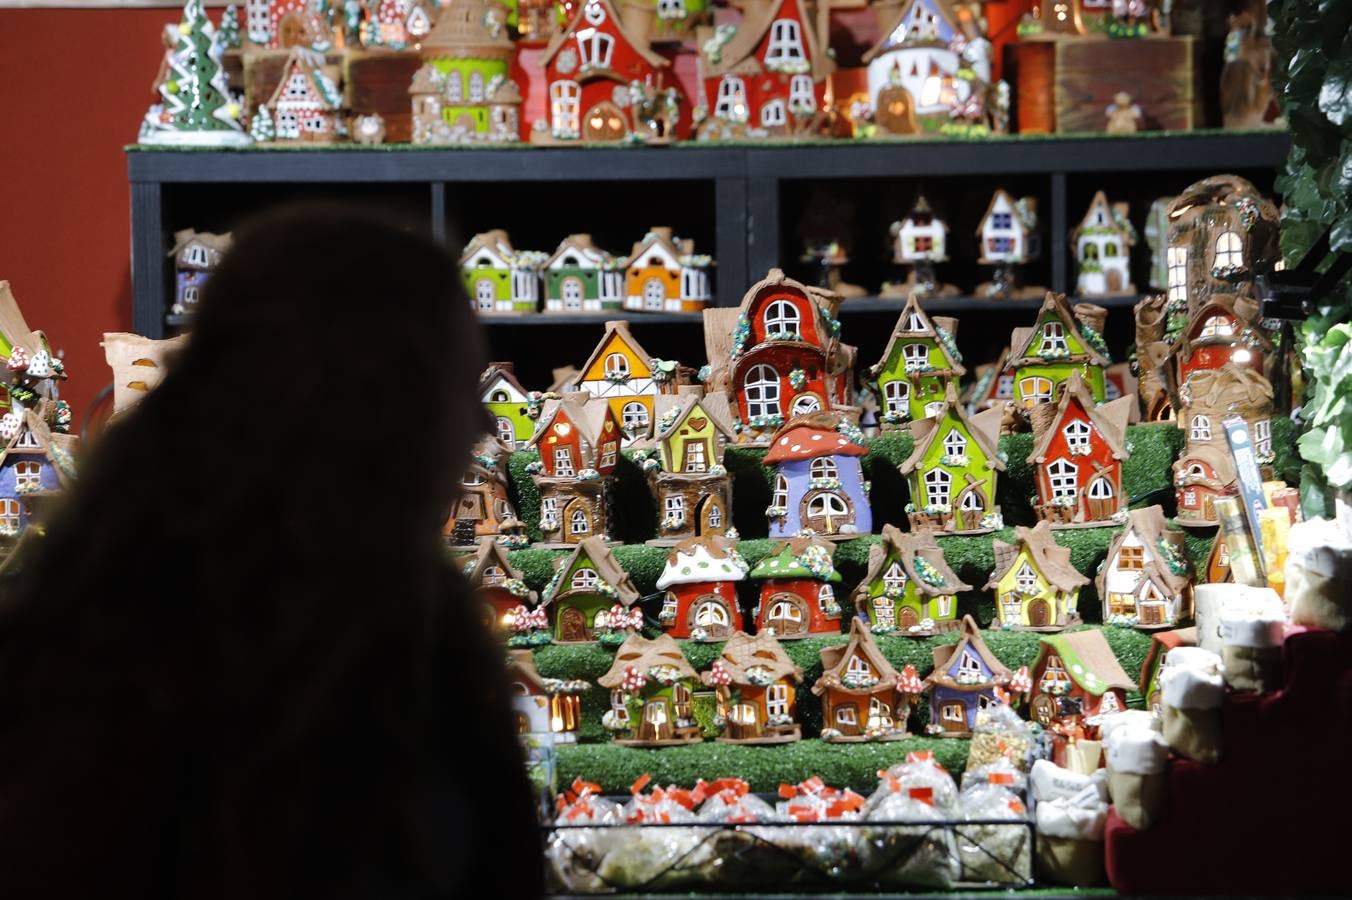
1064, 86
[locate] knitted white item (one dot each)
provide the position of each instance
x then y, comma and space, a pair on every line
1192, 688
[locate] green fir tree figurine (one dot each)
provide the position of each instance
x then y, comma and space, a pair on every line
261, 128
229, 30
197, 106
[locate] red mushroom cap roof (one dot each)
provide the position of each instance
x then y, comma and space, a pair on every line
808, 441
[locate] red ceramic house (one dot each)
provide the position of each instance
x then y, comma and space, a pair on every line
797, 595
1223, 330
1078, 448
496, 584
700, 579
571, 438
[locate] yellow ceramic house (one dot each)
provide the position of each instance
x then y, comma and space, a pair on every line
623, 374
1036, 587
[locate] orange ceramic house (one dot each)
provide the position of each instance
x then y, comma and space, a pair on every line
1224, 329
664, 274
859, 691
578, 440
757, 684
623, 375
1078, 449
496, 583
1076, 677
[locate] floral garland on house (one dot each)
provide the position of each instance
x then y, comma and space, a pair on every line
1248, 212
516, 587
851, 431
587, 475
705, 372
1172, 558
618, 377
783, 336
955, 459
830, 606
775, 512
1094, 338
1228, 270
927, 572
993, 520
565, 686
673, 521
713, 47
512, 541
950, 345
1053, 353
791, 66
797, 378
535, 467
765, 422
664, 370
665, 675
859, 680
741, 333
823, 484
817, 560
759, 676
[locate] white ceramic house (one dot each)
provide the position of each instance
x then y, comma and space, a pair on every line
1005, 234
921, 236
917, 56
1103, 243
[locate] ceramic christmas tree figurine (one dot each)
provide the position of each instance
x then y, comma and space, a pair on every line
229, 30
1145, 580
756, 684
919, 241
1036, 587
1063, 339
579, 445
859, 692
497, 585
462, 93
1205, 469
651, 686
1008, 238
908, 588
590, 598
1077, 677
508, 403
797, 595
819, 486
779, 355
1103, 242
544, 705
623, 375
196, 254
952, 470
1078, 449
484, 507
498, 278
684, 465
665, 274
197, 109
581, 277
307, 104
919, 364
700, 579
966, 679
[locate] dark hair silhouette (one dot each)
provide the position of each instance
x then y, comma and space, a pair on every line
239, 664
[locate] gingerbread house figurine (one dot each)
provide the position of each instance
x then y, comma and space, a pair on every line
1205, 469
779, 355
1076, 678
859, 692
908, 588
797, 594
1157, 659
756, 684
1078, 449
766, 76
966, 679
604, 84
283, 24
498, 278
1036, 586
196, 254
628, 379
665, 274
819, 485
544, 705
508, 404
579, 445
484, 505
36, 463
952, 470
590, 598
684, 466
919, 364
919, 241
1103, 242
1153, 360
1145, 581
1222, 234
700, 579
462, 93
581, 277
307, 103
651, 685
497, 584
1063, 339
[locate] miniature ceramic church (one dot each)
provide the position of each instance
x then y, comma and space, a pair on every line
1036, 586
484, 505
684, 466
1078, 449
651, 686
919, 241
952, 470
581, 277
700, 578
859, 692
1144, 581
1063, 339
589, 597
665, 274
544, 705
462, 93
1205, 469
497, 584
621, 374
756, 684
919, 364
797, 594
1103, 242
908, 588
508, 404
498, 278
965, 680
196, 255
579, 445
1077, 677
819, 486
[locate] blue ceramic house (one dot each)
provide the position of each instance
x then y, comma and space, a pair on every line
963, 682
34, 464
819, 484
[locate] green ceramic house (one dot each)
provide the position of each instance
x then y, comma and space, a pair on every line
909, 588
651, 688
498, 278
506, 402
919, 364
581, 277
952, 470
677, 19
587, 583
1064, 339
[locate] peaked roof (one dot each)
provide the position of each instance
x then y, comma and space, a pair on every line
809, 436
1109, 420
1089, 660
521, 667
582, 245
1163, 642
835, 659
738, 55
13, 328
785, 560
490, 553
661, 236
1111, 218
57, 447
906, 548
495, 241
702, 559
948, 348
469, 28
1051, 559
1150, 527
644, 654
1020, 344
742, 652
505, 371
984, 428
893, 15
1023, 215
603, 561
563, 34
311, 65
586, 413
218, 242
616, 329
671, 410
921, 214
969, 639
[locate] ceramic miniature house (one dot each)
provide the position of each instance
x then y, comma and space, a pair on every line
919, 364
819, 485
35, 465
908, 588
1007, 231
919, 241
1078, 449
621, 374
700, 579
283, 24
386, 23
1217, 563
779, 355
483, 505
604, 84
31, 375
964, 681
651, 686
543, 705
797, 595
582, 596
1223, 329
462, 93
507, 403
1205, 469
1063, 339
196, 255
579, 445
1036, 587
665, 274
1103, 242
994, 385
581, 277
1156, 660
1144, 581
1077, 677
498, 278
496, 583
858, 691
684, 466
766, 76
952, 470
307, 103
756, 684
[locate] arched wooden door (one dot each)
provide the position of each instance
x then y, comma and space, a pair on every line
710, 612
572, 625
1039, 613
1044, 708
604, 122
907, 618
786, 614
895, 112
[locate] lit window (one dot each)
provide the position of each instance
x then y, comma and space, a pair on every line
954, 443
731, 102
894, 579
1026, 579
608, 452
563, 107
1201, 428
617, 364
1053, 338
1229, 252
1131, 558
585, 579
1077, 434
1176, 259
896, 395
937, 484
493, 575
1063, 476
786, 42
1218, 326
761, 389
782, 316
1035, 390
27, 475
846, 716
711, 614
823, 467
695, 460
